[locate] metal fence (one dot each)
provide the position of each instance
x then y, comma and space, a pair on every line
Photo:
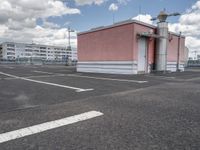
193, 63
36, 61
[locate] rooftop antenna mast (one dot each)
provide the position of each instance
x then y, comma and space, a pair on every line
139, 12
162, 16
113, 17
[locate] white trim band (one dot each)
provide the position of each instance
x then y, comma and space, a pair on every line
110, 67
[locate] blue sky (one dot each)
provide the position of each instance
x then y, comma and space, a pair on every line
98, 15
47, 21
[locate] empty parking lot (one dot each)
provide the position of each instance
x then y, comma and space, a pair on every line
114, 112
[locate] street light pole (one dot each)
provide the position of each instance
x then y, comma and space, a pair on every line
69, 43
69, 49
178, 52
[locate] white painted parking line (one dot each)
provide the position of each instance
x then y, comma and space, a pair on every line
162, 77
102, 78
45, 76
39, 76
48, 83
12, 135
9, 75
42, 72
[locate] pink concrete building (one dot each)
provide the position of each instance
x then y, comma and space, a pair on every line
127, 47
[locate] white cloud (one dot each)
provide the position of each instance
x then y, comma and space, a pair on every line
18, 21
193, 43
189, 25
22, 9
123, 1
47, 24
113, 7
40, 35
89, 2
144, 18
196, 5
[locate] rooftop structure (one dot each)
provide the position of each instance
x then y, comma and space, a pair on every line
130, 47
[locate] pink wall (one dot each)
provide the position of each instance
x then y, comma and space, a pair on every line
120, 43
113, 44
151, 42
173, 49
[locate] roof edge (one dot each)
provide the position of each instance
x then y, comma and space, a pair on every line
32, 44
176, 34
129, 21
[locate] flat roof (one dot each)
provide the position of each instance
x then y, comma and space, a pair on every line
130, 21
32, 44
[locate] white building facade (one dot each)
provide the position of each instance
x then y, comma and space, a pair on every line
14, 51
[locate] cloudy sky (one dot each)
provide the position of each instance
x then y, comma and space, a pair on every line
46, 21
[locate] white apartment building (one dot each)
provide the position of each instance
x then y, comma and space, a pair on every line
14, 51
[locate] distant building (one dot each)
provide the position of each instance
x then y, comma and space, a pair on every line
14, 51
194, 55
129, 47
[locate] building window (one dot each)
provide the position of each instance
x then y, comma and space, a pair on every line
10, 53
10, 45
28, 50
10, 49
42, 47
42, 51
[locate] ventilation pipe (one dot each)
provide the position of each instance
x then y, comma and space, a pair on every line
161, 47
162, 42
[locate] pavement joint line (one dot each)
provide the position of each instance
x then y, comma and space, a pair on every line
48, 83
90, 77
7, 78
193, 79
111, 79
9, 67
98, 78
20, 133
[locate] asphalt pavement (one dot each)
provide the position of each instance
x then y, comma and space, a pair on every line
139, 112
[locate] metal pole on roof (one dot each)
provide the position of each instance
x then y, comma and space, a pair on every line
113, 17
178, 52
139, 12
69, 36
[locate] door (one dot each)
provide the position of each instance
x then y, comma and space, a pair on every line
142, 52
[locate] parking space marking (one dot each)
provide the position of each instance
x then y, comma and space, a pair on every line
48, 83
43, 72
46, 76
110, 79
8, 67
12, 135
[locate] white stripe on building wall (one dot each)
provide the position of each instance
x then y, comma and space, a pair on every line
112, 67
119, 67
172, 66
